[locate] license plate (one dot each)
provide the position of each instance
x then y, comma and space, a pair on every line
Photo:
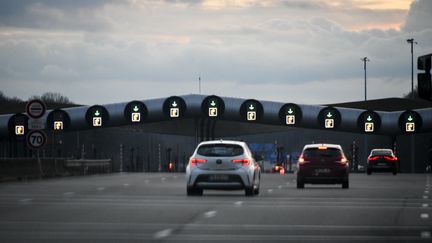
322, 171
218, 177
381, 164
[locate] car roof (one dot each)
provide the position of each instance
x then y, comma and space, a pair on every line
317, 145
382, 149
221, 141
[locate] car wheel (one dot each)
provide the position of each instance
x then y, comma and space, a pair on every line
300, 184
368, 171
249, 191
256, 190
394, 172
345, 184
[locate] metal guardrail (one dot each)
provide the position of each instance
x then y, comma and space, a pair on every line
88, 167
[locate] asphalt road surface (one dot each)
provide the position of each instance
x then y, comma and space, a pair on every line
153, 207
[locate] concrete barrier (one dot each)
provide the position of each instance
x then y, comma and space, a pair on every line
30, 168
23, 168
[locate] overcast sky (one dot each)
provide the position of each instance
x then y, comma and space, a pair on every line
301, 51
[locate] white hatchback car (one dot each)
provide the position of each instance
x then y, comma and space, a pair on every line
223, 165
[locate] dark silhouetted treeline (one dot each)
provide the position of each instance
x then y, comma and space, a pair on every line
9, 105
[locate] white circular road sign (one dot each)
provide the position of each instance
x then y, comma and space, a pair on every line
35, 108
36, 139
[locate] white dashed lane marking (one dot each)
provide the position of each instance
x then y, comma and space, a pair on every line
162, 234
126, 184
25, 200
238, 203
270, 190
425, 205
425, 234
424, 215
210, 214
101, 188
67, 194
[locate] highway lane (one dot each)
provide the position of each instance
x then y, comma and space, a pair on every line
153, 207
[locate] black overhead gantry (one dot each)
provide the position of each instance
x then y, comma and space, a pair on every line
208, 117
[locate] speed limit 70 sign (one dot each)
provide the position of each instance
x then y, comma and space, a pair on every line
36, 139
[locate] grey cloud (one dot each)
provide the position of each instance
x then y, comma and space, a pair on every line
419, 17
306, 5
192, 2
287, 48
52, 14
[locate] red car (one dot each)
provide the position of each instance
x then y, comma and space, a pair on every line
323, 164
382, 160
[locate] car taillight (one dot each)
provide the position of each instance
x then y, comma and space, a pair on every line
373, 158
343, 161
390, 158
195, 161
244, 162
302, 161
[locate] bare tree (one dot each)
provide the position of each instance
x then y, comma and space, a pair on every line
52, 97
2, 96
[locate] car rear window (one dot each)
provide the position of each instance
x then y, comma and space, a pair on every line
381, 152
316, 152
220, 150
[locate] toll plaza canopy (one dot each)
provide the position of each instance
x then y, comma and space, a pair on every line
215, 116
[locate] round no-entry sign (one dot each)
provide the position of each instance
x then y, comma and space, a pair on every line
36, 139
35, 109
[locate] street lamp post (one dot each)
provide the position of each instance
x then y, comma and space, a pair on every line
412, 42
365, 59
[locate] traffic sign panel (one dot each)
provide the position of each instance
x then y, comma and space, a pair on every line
213, 111
174, 107
58, 125
213, 107
35, 108
290, 114
19, 130
369, 122
251, 110
135, 112
329, 118
36, 124
36, 139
